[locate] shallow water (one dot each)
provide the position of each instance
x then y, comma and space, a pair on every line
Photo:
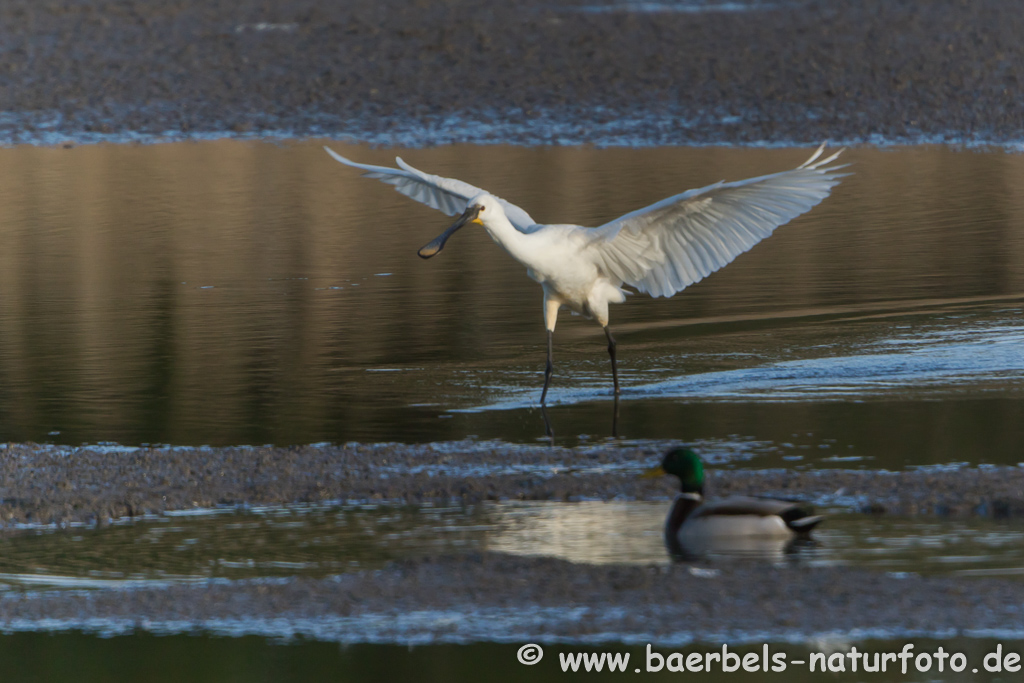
322, 541
319, 541
241, 292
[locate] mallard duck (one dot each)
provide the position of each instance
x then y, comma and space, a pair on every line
739, 524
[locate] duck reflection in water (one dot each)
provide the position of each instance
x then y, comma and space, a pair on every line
756, 527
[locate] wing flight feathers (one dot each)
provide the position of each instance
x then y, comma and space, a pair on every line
444, 194
668, 246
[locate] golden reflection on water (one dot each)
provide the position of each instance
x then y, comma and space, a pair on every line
235, 292
593, 532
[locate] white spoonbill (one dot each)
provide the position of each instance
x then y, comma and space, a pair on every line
661, 249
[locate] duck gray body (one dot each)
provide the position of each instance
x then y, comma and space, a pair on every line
691, 517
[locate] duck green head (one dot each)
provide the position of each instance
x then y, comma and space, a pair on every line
687, 465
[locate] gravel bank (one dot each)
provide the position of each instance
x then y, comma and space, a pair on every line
504, 598
48, 484
402, 72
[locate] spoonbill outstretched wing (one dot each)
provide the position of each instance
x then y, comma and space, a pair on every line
661, 249
444, 194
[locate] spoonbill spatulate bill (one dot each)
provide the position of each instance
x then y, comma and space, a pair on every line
661, 249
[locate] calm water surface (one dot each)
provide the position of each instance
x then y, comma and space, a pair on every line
242, 292
320, 541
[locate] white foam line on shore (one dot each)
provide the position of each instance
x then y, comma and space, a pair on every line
64, 581
669, 7
546, 625
598, 126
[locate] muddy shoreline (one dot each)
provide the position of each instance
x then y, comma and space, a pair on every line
501, 598
533, 72
94, 485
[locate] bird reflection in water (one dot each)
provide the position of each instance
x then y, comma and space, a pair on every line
549, 429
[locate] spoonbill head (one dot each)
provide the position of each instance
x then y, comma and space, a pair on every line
483, 209
660, 249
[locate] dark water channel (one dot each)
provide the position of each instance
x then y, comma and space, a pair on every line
72, 656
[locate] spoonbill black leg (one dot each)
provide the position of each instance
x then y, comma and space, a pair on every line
611, 352
549, 368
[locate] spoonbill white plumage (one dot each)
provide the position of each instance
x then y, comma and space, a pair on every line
661, 249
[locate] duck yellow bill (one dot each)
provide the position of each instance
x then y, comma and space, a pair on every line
434, 247
653, 472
